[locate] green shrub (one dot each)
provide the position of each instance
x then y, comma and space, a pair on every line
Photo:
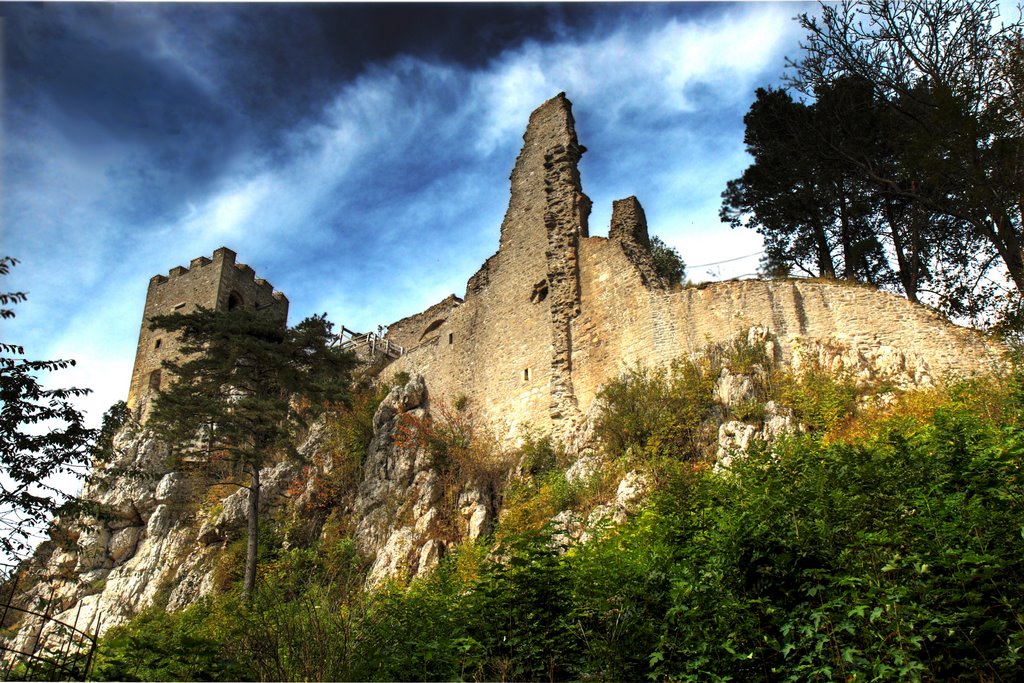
667, 261
158, 646
659, 412
820, 400
539, 454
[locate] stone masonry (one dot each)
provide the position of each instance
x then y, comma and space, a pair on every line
422, 327
218, 284
556, 313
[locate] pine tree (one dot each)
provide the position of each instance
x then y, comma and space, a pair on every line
244, 387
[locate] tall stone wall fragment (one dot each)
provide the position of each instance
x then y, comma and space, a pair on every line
508, 346
555, 313
629, 230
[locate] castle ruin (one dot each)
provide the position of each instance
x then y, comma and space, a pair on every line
546, 320
555, 313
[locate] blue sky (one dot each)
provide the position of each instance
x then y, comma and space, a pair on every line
357, 156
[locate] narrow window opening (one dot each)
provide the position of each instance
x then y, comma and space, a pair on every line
540, 292
157, 345
526, 375
451, 337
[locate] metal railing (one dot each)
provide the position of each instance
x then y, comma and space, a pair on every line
58, 651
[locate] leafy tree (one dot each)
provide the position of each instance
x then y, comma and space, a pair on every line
949, 79
42, 435
244, 386
780, 194
817, 213
667, 261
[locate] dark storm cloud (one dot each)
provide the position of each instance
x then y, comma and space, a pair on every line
186, 87
355, 155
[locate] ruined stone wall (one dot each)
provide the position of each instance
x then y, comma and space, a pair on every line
218, 284
555, 314
497, 347
422, 327
624, 324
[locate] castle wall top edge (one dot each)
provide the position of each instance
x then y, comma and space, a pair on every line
221, 256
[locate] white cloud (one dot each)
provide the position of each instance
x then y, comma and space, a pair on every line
635, 65
379, 127
227, 215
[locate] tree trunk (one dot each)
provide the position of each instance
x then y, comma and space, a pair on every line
906, 267
254, 532
826, 268
1008, 245
846, 233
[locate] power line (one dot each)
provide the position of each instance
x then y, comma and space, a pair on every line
728, 260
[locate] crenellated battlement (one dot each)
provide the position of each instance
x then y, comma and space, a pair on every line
246, 270
218, 283
223, 257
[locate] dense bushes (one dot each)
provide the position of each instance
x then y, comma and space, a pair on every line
673, 412
888, 545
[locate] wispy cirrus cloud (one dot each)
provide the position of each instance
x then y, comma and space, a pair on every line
381, 190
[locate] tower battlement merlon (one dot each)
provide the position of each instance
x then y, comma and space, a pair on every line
223, 254
266, 289
246, 269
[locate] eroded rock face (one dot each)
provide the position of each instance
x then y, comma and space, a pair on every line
152, 541
403, 519
133, 548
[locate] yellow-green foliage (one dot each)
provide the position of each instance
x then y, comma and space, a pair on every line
652, 413
888, 549
230, 566
819, 400
530, 503
349, 428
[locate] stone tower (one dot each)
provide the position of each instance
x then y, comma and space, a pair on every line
218, 284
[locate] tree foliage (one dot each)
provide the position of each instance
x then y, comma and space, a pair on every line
243, 388
42, 436
667, 261
904, 162
891, 555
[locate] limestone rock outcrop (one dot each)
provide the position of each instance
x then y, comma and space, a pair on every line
400, 503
